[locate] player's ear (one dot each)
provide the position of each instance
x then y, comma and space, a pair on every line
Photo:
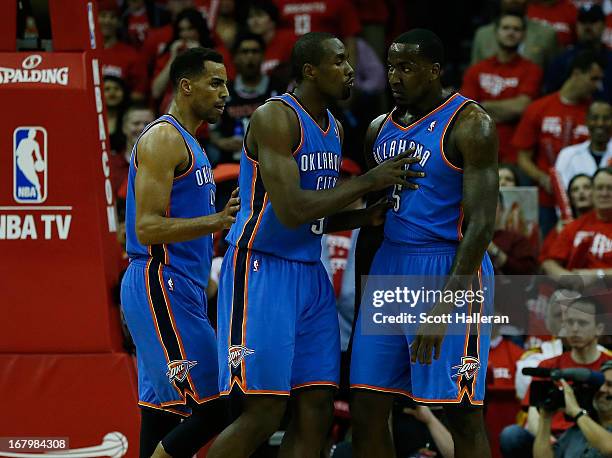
309, 71
436, 70
185, 85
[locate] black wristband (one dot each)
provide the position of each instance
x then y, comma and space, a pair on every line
580, 414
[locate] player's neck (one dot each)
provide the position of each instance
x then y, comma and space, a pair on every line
185, 116
313, 102
427, 104
586, 355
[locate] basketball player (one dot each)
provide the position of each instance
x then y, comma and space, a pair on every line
170, 219
441, 229
278, 333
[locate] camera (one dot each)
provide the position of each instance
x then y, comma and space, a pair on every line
548, 395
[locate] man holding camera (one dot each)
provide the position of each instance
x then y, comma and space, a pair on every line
588, 437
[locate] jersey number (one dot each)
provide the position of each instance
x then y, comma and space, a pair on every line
317, 228
396, 195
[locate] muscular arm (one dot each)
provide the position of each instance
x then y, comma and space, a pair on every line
162, 151
274, 131
507, 109
476, 139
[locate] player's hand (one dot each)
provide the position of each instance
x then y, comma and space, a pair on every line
429, 336
228, 215
395, 171
378, 211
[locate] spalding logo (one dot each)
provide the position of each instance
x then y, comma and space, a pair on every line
178, 369
236, 354
468, 367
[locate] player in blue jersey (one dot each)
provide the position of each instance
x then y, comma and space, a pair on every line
441, 230
170, 219
278, 333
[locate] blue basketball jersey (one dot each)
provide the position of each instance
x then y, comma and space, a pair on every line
318, 158
433, 212
192, 195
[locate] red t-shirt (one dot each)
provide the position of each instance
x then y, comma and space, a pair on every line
123, 61
491, 79
548, 244
565, 361
560, 15
334, 16
138, 26
503, 356
585, 243
156, 42
278, 51
547, 126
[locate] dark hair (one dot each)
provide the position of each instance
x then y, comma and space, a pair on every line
601, 170
430, 45
198, 22
191, 63
569, 187
512, 169
584, 60
308, 50
266, 5
598, 308
516, 15
248, 36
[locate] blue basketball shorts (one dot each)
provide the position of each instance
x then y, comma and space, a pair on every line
381, 360
176, 349
277, 324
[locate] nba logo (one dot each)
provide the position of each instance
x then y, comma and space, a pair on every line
30, 164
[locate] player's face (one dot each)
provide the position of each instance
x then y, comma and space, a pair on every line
410, 75
599, 122
209, 91
334, 76
602, 191
510, 32
248, 58
581, 193
506, 178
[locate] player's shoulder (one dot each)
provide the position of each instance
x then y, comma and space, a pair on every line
274, 110
275, 120
161, 140
473, 120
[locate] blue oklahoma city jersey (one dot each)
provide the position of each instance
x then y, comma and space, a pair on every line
318, 158
433, 212
193, 195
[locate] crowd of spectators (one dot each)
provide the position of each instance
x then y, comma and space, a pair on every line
541, 68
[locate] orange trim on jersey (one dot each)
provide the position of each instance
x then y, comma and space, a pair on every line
245, 391
193, 161
253, 181
315, 383
408, 394
174, 328
450, 119
478, 334
460, 223
424, 117
146, 273
324, 132
165, 409
245, 301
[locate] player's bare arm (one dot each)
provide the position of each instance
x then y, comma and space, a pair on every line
162, 155
474, 140
274, 133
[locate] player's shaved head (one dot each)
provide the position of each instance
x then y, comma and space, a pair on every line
429, 44
308, 49
190, 63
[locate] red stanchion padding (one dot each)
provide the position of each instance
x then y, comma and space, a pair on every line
90, 400
74, 25
8, 25
57, 214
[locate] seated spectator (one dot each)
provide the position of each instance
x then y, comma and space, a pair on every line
228, 23
248, 91
508, 177
586, 157
117, 98
553, 122
262, 19
539, 44
590, 436
190, 30
139, 16
584, 246
590, 27
505, 83
582, 327
119, 59
559, 14
338, 17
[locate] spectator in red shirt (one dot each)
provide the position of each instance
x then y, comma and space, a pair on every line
119, 59
582, 327
560, 14
139, 16
338, 17
263, 20
503, 356
584, 247
505, 83
553, 122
